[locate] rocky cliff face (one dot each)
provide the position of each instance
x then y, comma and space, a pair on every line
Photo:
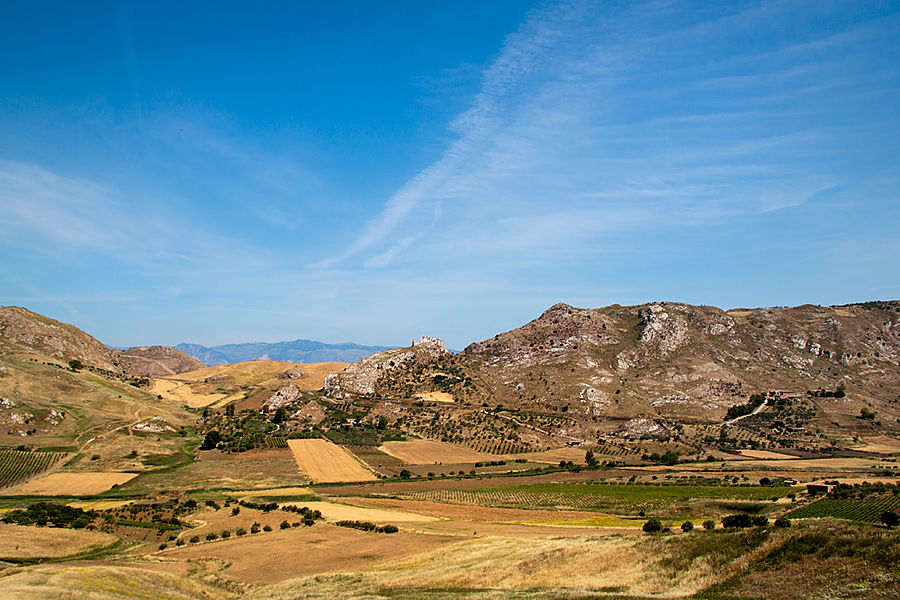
158, 361
361, 377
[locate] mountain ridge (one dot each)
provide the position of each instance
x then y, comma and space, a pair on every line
297, 351
606, 368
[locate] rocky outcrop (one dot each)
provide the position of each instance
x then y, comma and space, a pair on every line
638, 429
286, 395
361, 377
292, 373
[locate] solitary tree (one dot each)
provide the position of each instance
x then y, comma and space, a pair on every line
890, 518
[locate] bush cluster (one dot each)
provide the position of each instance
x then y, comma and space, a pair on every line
368, 526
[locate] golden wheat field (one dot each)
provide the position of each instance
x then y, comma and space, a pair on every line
19, 542
276, 556
322, 461
427, 452
71, 484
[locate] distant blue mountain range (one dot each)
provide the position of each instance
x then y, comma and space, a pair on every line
298, 351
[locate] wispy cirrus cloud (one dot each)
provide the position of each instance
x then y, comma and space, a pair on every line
594, 118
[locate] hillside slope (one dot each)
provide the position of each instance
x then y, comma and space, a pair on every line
689, 361
634, 370
22, 329
158, 361
48, 401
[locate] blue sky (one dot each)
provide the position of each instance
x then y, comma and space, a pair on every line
222, 172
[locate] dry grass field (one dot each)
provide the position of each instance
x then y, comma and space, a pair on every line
102, 582
70, 484
880, 444
218, 385
17, 542
472, 513
427, 452
333, 511
766, 455
575, 567
322, 461
435, 397
552, 457
182, 393
323, 548
254, 469
274, 492
99, 504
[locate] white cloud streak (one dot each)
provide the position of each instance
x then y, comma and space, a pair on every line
569, 118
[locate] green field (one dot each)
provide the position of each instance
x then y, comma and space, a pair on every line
866, 510
598, 495
18, 465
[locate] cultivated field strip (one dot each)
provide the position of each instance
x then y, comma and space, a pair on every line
429, 452
322, 461
866, 510
594, 495
18, 465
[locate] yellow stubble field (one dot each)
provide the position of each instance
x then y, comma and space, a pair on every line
427, 452
322, 461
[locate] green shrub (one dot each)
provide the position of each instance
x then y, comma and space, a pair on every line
709, 525
737, 521
652, 525
687, 526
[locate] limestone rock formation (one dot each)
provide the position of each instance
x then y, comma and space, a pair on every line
292, 373
286, 395
361, 377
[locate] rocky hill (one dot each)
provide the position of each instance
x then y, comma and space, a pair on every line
689, 361
57, 383
659, 363
24, 330
158, 361
369, 375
